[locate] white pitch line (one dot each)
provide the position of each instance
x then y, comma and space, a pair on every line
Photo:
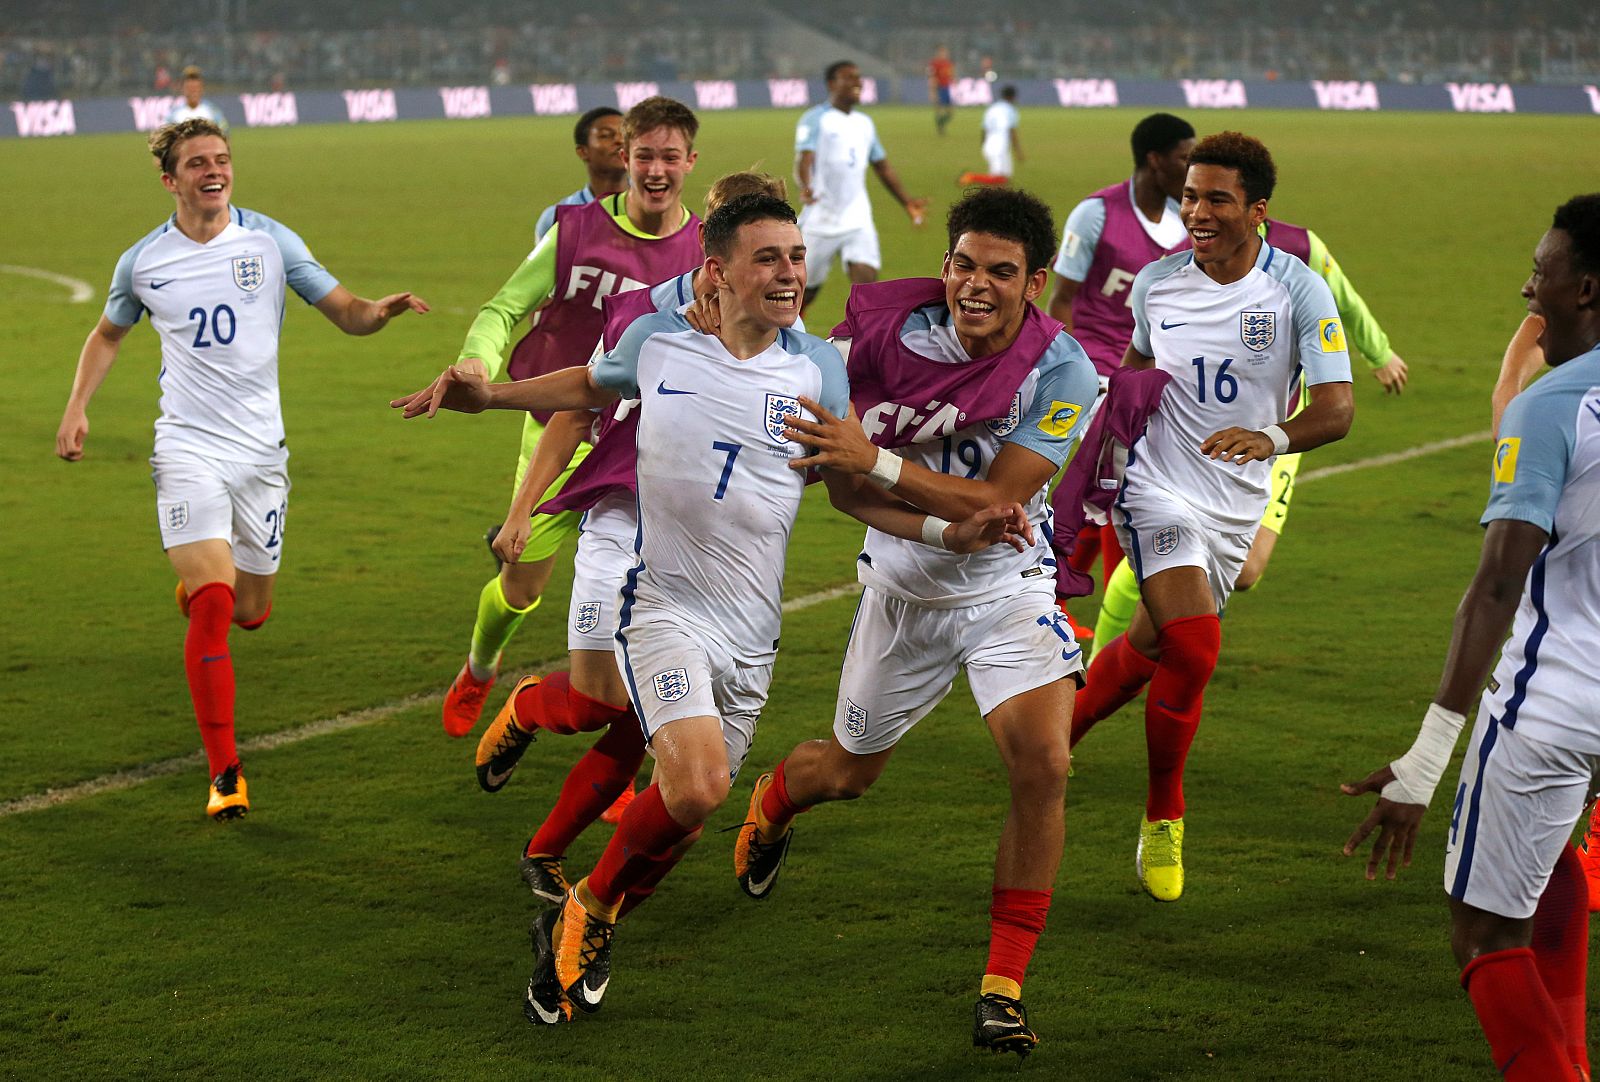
81, 291
138, 775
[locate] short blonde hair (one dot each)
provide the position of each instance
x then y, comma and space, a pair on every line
746, 182
165, 140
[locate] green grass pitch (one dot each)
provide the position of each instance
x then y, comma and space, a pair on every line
366, 920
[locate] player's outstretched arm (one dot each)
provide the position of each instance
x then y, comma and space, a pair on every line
915, 206
1326, 419
465, 390
1521, 363
557, 444
1482, 622
359, 316
1001, 524
99, 353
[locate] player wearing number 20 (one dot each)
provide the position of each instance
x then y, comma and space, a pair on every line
212, 278
1234, 322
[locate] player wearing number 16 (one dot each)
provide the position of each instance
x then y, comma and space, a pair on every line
212, 278
1233, 322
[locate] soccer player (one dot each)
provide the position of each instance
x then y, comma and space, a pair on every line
1001, 145
833, 146
597, 139
700, 615
941, 76
1518, 899
1233, 322
212, 278
194, 103
982, 395
622, 242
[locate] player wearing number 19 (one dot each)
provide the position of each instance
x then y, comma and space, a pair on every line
212, 278
1233, 322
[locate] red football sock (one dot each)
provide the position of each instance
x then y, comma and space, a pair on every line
1514, 1009
643, 840
1086, 549
1189, 649
255, 625
1110, 549
552, 705
1561, 950
776, 806
1116, 675
591, 787
210, 670
1016, 919
645, 888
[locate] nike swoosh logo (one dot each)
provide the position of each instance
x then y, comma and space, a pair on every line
548, 1017
497, 780
1168, 326
762, 887
158, 285
218, 657
997, 1022
592, 995
664, 389
1163, 704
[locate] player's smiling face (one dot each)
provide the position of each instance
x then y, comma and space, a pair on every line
988, 289
844, 89
202, 179
766, 272
1557, 293
1217, 213
658, 162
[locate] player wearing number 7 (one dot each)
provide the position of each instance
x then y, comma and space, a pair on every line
1234, 322
212, 278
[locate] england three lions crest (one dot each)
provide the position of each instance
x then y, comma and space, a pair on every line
780, 407
249, 271
588, 617
1258, 329
1004, 426
671, 685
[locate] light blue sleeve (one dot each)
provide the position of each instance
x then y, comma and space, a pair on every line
1067, 388
304, 274
877, 153
547, 218
1537, 437
1137, 294
122, 307
809, 128
835, 393
1079, 239
618, 370
1318, 330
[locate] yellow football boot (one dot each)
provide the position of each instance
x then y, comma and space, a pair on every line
1159, 858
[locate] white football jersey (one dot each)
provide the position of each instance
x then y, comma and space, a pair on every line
182, 110
218, 308
717, 499
1234, 352
844, 145
1045, 416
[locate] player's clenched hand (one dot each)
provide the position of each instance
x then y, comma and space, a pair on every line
1238, 445
1397, 825
838, 443
917, 210
512, 539
70, 436
462, 387
1392, 374
1005, 523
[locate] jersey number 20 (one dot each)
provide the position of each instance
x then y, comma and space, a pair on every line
200, 339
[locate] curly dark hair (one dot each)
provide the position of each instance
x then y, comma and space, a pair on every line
1010, 213
836, 67
1579, 218
1158, 132
580, 131
723, 224
1243, 153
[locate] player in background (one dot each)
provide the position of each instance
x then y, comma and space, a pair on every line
833, 145
1234, 322
1002, 148
622, 242
1519, 922
597, 139
212, 278
701, 607
941, 76
976, 347
194, 103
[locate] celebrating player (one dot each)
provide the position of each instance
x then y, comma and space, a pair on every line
622, 242
597, 139
193, 103
1002, 148
833, 146
700, 615
982, 394
1233, 322
1518, 898
212, 278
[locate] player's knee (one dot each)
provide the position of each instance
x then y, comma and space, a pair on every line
251, 617
697, 799
1042, 768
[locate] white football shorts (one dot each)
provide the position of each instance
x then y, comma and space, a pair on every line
902, 658
1159, 531
1511, 814
242, 503
675, 672
602, 560
856, 246
997, 152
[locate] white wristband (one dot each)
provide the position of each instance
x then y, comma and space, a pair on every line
933, 532
1279, 438
1417, 772
886, 470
